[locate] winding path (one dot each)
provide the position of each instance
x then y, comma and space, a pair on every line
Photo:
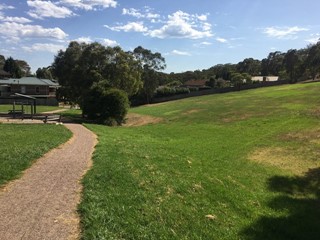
42, 203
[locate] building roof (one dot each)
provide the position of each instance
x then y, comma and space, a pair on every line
28, 81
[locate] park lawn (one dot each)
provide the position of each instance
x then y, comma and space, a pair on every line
242, 165
4, 108
22, 144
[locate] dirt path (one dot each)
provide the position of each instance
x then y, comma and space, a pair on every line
42, 203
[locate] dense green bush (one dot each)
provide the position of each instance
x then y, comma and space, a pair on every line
165, 91
193, 89
182, 90
106, 105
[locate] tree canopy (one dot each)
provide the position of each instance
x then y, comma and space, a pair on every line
81, 65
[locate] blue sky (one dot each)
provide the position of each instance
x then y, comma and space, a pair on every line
190, 34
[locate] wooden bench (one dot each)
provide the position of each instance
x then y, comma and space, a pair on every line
52, 118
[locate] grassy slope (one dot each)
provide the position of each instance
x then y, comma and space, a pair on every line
160, 181
22, 144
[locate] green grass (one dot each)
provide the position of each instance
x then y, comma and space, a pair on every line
22, 144
161, 181
6, 107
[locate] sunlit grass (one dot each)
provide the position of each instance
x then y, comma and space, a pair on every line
22, 144
193, 176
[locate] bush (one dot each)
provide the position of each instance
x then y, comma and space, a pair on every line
182, 90
193, 89
107, 106
165, 91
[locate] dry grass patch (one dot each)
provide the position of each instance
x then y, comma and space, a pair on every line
296, 160
293, 160
310, 136
315, 112
135, 120
191, 111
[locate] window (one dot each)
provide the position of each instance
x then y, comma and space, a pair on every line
23, 89
37, 89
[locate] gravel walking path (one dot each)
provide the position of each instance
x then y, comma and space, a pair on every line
42, 203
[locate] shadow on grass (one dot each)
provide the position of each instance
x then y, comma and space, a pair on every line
301, 199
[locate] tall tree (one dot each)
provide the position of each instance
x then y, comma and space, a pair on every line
250, 66
2, 61
44, 73
12, 67
24, 67
273, 64
81, 65
291, 62
151, 63
313, 60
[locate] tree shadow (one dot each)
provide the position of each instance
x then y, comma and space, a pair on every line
301, 199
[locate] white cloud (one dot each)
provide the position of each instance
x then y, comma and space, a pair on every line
15, 19
314, 38
84, 39
18, 31
46, 9
4, 7
44, 47
109, 43
181, 53
146, 13
203, 17
222, 40
89, 4
129, 27
183, 25
283, 32
206, 43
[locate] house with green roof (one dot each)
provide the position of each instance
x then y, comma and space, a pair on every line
44, 90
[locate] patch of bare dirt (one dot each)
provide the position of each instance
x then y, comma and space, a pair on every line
191, 111
135, 120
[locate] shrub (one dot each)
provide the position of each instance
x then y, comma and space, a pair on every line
182, 90
107, 106
165, 91
193, 89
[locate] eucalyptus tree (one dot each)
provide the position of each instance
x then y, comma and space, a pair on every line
150, 64
313, 60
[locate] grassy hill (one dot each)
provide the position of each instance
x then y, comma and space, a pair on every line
241, 165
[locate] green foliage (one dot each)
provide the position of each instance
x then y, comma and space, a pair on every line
44, 73
22, 144
81, 65
174, 84
165, 91
291, 62
12, 67
150, 64
106, 105
313, 60
160, 181
182, 90
2, 61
